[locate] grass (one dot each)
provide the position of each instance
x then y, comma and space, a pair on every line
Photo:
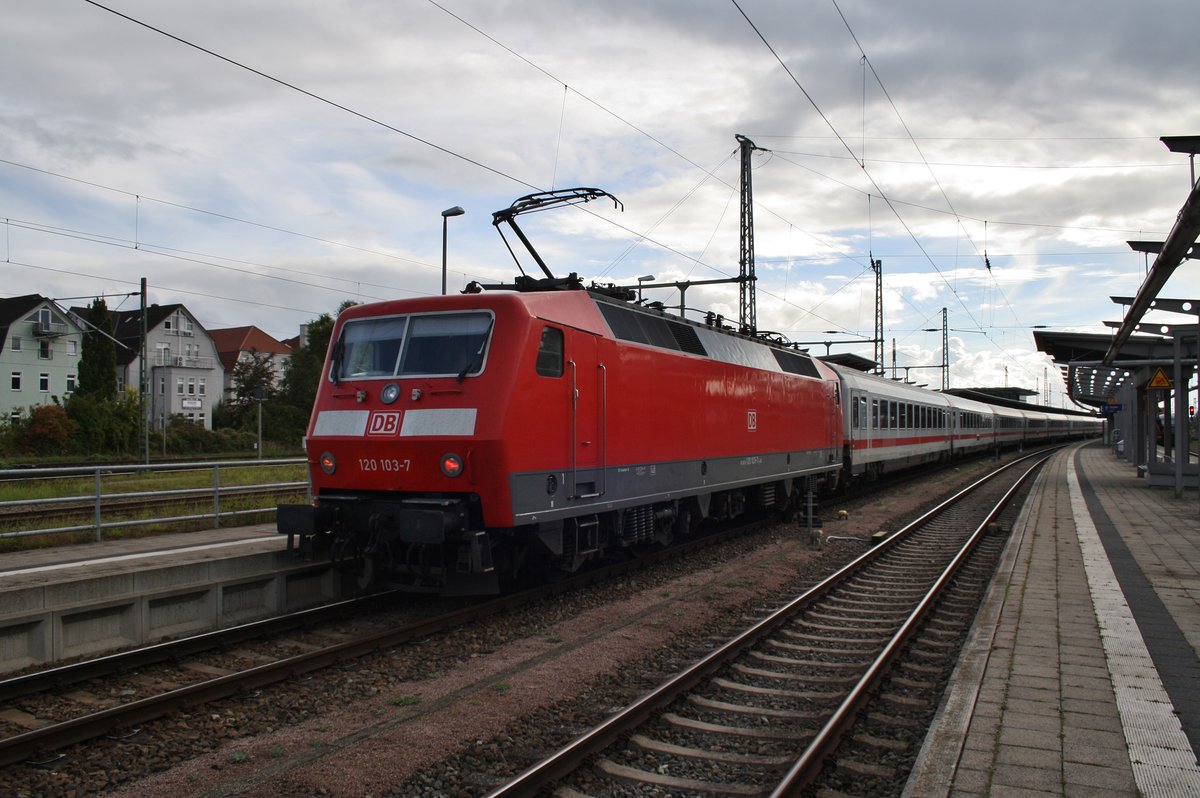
142, 482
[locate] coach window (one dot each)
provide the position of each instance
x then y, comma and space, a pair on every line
874, 414
550, 353
893, 415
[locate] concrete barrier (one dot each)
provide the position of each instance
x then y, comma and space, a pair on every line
74, 615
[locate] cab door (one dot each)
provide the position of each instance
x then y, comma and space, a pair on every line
588, 432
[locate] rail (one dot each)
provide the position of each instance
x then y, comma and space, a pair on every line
97, 499
534, 780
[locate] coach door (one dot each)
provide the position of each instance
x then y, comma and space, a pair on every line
860, 421
589, 385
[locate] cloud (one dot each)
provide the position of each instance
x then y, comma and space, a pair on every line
1024, 131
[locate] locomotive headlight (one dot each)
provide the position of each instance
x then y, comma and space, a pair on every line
452, 465
328, 463
390, 393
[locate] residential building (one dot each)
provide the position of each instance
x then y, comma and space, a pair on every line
40, 345
183, 372
242, 344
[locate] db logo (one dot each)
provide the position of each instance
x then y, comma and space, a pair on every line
752, 419
384, 422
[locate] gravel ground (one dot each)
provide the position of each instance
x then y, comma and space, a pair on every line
408, 722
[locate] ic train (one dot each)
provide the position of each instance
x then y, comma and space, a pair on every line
459, 441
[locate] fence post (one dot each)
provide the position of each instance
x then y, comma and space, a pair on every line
216, 496
99, 533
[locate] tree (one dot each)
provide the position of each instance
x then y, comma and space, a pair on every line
98, 360
298, 391
303, 372
253, 381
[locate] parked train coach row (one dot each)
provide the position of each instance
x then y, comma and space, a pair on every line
459, 442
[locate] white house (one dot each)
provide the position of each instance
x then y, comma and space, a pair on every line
40, 346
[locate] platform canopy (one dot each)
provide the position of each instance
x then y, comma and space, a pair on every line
1081, 357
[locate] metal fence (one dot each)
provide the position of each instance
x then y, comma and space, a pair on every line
98, 497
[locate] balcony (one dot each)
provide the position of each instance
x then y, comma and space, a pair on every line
178, 361
49, 329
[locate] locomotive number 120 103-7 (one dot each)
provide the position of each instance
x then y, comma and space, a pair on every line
386, 464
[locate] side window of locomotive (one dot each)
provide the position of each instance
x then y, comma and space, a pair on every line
450, 343
550, 353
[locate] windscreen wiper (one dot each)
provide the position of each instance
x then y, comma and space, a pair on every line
477, 358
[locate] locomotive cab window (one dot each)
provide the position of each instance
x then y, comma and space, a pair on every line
550, 353
442, 344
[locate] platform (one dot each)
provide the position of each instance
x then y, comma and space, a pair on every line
69, 601
1081, 676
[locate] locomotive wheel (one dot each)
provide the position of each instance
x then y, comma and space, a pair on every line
368, 573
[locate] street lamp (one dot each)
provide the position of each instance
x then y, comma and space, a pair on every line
446, 214
644, 279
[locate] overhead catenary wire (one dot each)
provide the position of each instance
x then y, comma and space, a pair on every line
565, 92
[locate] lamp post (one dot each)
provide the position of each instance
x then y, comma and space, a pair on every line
446, 214
647, 278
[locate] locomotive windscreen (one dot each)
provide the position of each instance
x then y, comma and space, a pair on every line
437, 344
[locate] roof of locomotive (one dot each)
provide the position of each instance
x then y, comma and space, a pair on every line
600, 314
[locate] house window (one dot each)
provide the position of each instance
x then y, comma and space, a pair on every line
15, 415
44, 319
44, 350
16, 380
44, 383
179, 386
191, 386
70, 383
16, 343
187, 324
201, 388
169, 323
162, 385
72, 348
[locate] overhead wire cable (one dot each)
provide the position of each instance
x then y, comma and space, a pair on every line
866, 172
920, 152
315, 96
405, 133
219, 215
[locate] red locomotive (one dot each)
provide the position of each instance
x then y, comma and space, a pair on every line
458, 440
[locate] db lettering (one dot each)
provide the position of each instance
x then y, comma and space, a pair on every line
384, 423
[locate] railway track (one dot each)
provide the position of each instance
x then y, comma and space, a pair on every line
48, 710
774, 710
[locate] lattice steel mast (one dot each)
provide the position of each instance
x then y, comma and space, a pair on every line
747, 313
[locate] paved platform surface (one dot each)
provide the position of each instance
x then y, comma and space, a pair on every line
116, 556
1082, 676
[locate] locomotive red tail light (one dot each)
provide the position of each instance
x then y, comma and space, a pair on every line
452, 465
328, 463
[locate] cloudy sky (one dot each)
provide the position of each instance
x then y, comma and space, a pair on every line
261, 161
